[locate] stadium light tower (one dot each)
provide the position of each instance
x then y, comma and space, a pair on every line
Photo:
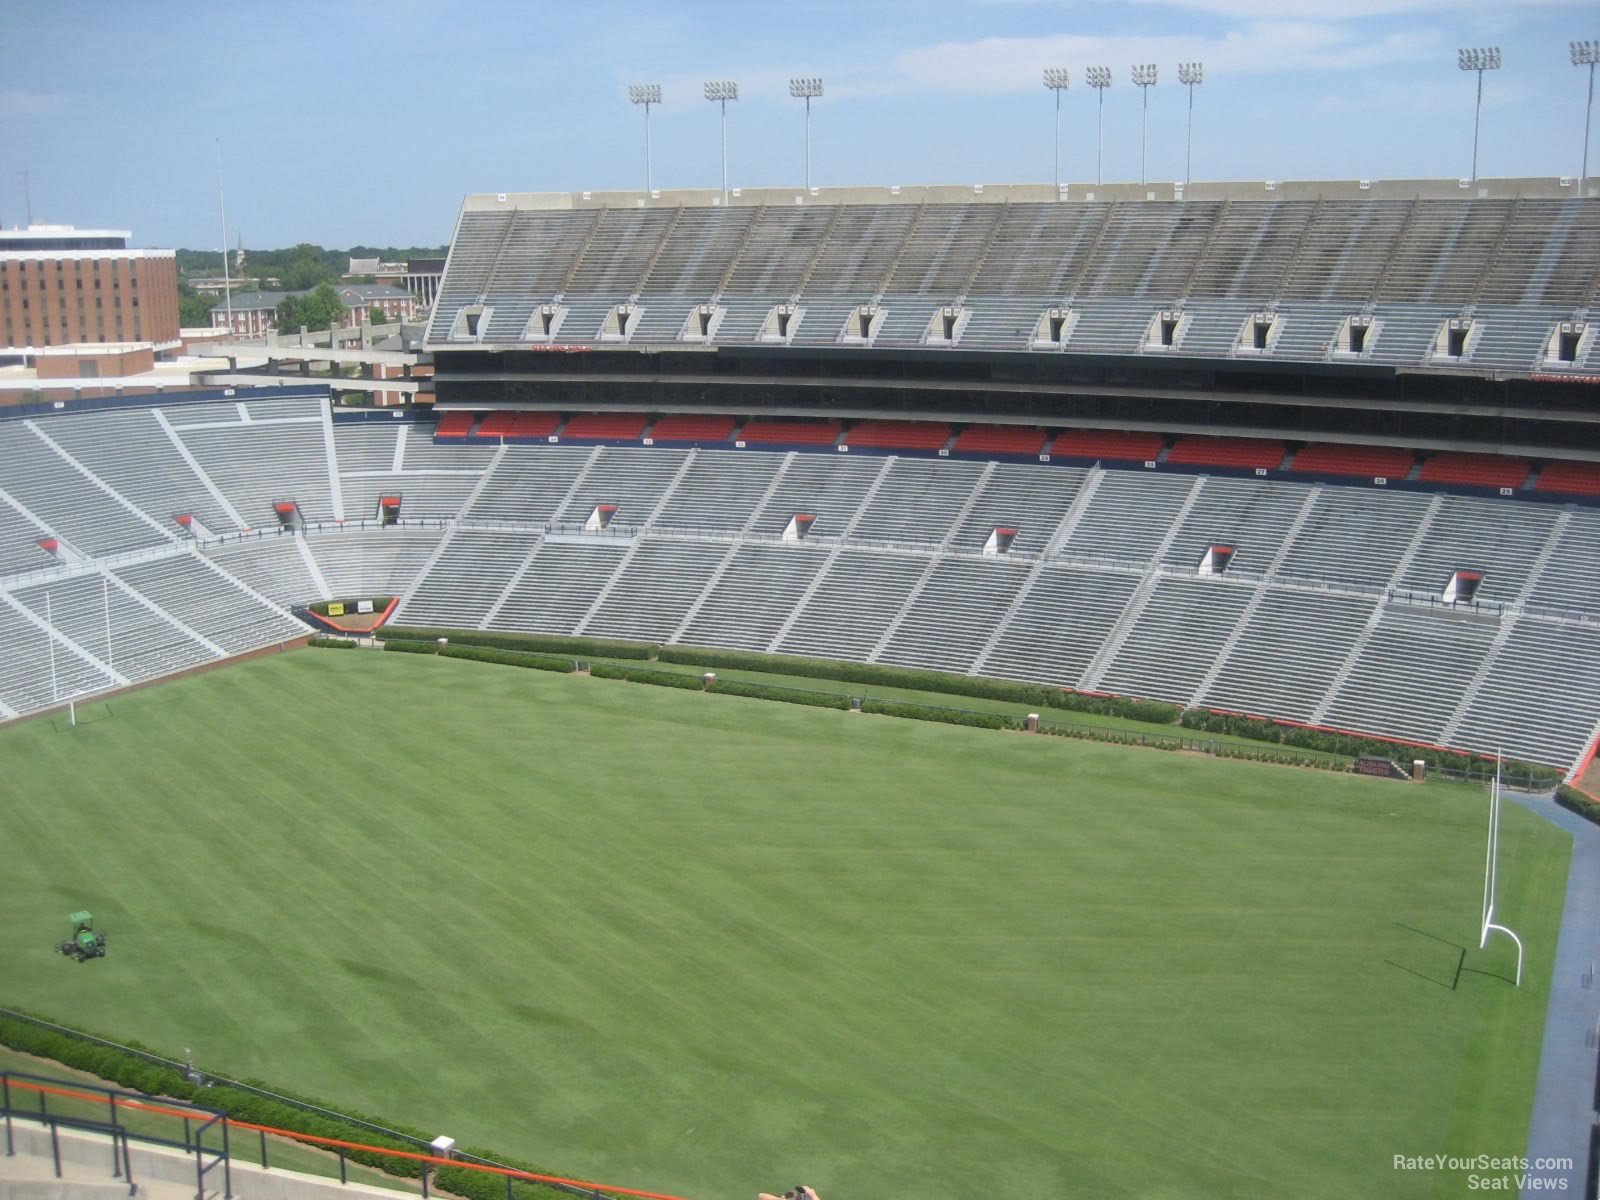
720, 91
1057, 79
645, 94
1586, 54
1099, 78
805, 89
1144, 79
1479, 60
1189, 74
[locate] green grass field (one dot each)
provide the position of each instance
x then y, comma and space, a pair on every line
703, 944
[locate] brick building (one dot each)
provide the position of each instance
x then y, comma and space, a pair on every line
65, 286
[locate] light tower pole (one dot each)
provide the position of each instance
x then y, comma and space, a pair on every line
645, 94
1586, 54
1099, 78
1190, 74
805, 89
1144, 78
1056, 79
720, 91
1479, 60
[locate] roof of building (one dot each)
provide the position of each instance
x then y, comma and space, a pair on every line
363, 293
364, 266
252, 301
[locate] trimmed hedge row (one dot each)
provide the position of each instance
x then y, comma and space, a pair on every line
950, 716
578, 647
767, 691
402, 646
1575, 801
510, 658
136, 1074
1351, 745
918, 680
676, 679
331, 643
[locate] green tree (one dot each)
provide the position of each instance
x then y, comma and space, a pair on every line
303, 267
193, 309
319, 308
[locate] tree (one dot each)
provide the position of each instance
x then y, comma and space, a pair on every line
194, 310
320, 308
301, 268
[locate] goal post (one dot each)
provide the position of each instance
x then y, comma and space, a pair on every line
1491, 871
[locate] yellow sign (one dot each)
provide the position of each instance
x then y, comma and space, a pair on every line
336, 610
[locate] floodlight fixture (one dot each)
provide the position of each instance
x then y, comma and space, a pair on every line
1144, 78
1099, 78
1479, 59
1190, 74
720, 91
806, 89
1586, 54
1057, 79
645, 94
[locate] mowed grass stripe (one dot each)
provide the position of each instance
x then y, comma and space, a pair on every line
702, 943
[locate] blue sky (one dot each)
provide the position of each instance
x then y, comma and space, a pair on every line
360, 122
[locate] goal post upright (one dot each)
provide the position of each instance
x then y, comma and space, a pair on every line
1491, 871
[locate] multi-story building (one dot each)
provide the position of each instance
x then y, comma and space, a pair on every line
256, 313
64, 286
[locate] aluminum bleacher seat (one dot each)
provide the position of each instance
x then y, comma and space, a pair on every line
1531, 704
529, 483
210, 602
272, 565
463, 583
1355, 536
854, 605
257, 465
1176, 638
28, 679
558, 586
1345, 249
947, 624
1502, 540
1251, 246
1286, 657
831, 489
1038, 250
756, 592
633, 479
1128, 516
918, 500
1412, 672
1251, 516
365, 447
720, 490
652, 597
1570, 581
1030, 499
1060, 624
420, 453
368, 563
477, 241
782, 245
19, 544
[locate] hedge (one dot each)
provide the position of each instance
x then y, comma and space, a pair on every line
1575, 801
1353, 745
577, 647
950, 716
510, 658
130, 1071
332, 643
677, 679
767, 691
401, 646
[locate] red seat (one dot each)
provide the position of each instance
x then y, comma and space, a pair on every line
899, 435
1001, 439
1107, 443
1482, 470
496, 425
609, 426
453, 426
692, 427
1228, 452
791, 433
1386, 462
1575, 478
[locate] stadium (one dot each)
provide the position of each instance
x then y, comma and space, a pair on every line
1297, 471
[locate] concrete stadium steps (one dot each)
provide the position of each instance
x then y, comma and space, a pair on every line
1355, 536
70, 505
558, 586
464, 581
368, 563
858, 598
1176, 638
1251, 516
529, 484
273, 565
654, 594
756, 593
1480, 535
1412, 672
131, 451
720, 490
829, 488
947, 623
210, 602
258, 465
1060, 626
1032, 500
1129, 515
1516, 709
634, 480
918, 500
1287, 656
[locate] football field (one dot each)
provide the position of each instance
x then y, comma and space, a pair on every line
704, 945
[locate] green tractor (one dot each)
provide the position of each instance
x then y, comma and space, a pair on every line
85, 942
